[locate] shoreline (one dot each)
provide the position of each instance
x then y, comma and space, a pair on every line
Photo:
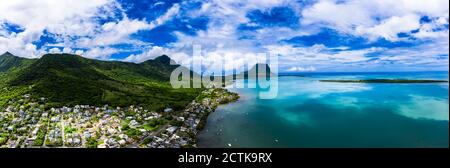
83, 126
207, 103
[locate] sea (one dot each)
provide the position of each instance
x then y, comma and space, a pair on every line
307, 113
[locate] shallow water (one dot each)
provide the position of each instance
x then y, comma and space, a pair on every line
309, 113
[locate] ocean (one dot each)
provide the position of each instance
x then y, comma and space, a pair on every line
308, 113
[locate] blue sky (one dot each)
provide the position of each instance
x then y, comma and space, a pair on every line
305, 35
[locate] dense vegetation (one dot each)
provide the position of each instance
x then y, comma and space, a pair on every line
386, 81
9, 62
67, 80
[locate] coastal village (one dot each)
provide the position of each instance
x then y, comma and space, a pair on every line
28, 122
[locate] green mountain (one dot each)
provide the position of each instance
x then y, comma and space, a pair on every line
67, 80
255, 72
9, 62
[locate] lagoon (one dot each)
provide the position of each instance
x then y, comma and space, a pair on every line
308, 113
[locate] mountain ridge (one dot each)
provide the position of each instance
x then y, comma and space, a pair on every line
68, 79
9, 61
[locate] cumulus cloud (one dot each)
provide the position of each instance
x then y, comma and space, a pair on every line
319, 57
391, 27
73, 24
104, 28
100, 52
374, 19
114, 33
301, 69
36, 16
54, 50
151, 53
173, 11
221, 40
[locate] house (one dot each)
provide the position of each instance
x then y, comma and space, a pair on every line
168, 110
158, 139
174, 137
54, 119
101, 146
171, 129
76, 141
122, 142
123, 136
87, 135
183, 141
149, 118
134, 123
183, 129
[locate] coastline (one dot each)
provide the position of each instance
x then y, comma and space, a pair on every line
296, 117
205, 104
31, 124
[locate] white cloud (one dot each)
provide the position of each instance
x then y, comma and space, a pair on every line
220, 40
173, 11
79, 52
102, 53
374, 19
77, 30
75, 24
159, 3
114, 33
338, 16
151, 53
54, 50
67, 50
390, 27
36, 16
426, 30
429, 54
370, 19
319, 57
301, 69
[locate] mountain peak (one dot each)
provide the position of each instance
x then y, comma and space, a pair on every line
9, 61
68, 79
257, 65
255, 71
163, 59
7, 53
60, 54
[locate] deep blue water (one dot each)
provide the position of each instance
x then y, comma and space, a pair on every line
309, 113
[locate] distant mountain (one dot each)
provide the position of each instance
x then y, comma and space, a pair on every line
67, 79
161, 65
255, 72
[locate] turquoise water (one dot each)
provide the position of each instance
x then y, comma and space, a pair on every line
309, 113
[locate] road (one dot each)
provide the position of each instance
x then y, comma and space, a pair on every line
153, 133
